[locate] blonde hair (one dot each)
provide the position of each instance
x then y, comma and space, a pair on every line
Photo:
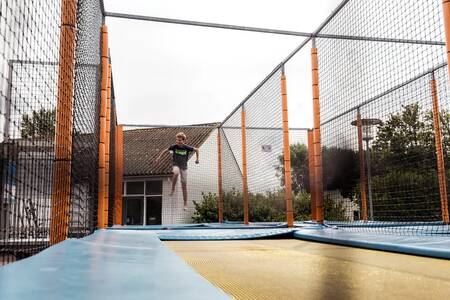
181, 135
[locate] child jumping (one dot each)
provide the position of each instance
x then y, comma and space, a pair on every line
180, 155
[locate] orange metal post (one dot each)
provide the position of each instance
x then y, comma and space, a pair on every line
118, 176
219, 176
362, 169
317, 142
439, 153
107, 148
61, 187
244, 165
102, 206
442, 182
446, 12
286, 153
312, 180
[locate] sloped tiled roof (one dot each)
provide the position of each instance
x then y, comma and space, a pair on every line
142, 147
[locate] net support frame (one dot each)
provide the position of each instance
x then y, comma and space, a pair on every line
446, 13
102, 204
312, 180
107, 144
119, 176
439, 151
61, 187
362, 168
317, 143
219, 177
244, 164
287, 152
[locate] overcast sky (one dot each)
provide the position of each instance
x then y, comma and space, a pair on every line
175, 74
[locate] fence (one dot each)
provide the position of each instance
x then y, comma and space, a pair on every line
379, 148
151, 197
50, 86
376, 159
384, 110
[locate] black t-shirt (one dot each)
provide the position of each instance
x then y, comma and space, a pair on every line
180, 155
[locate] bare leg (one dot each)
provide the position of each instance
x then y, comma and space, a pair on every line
174, 183
184, 188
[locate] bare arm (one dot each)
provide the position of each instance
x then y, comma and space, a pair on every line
196, 155
161, 154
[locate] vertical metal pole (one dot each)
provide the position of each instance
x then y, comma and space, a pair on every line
317, 139
362, 168
443, 183
244, 165
107, 147
102, 143
369, 181
312, 180
61, 187
439, 152
287, 153
8, 102
219, 176
446, 13
118, 176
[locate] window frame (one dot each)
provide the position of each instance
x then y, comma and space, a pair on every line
144, 195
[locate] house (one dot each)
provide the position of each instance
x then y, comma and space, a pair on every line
147, 184
26, 180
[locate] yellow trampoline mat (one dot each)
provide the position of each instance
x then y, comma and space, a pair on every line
294, 269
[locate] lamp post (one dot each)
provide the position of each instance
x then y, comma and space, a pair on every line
368, 135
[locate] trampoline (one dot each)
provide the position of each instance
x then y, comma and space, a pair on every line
216, 261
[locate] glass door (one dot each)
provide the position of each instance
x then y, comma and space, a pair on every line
153, 210
133, 210
153, 202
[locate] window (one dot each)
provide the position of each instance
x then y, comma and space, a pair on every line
133, 210
153, 187
153, 210
142, 202
135, 188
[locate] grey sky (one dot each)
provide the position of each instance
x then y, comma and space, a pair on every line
174, 74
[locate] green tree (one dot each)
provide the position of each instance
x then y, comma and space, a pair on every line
39, 124
404, 175
299, 168
267, 207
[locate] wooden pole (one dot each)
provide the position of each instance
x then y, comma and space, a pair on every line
362, 169
244, 165
446, 13
61, 181
317, 139
107, 149
439, 152
102, 206
286, 153
118, 176
312, 180
219, 176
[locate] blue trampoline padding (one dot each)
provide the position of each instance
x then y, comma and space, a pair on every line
240, 225
223, 234
432, 246
227, 225
158, 227
106, 265
224, 225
